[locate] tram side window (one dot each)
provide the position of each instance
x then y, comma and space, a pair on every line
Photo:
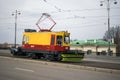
25, 40
59, 40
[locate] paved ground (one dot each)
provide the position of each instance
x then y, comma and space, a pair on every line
110, 62
11, 69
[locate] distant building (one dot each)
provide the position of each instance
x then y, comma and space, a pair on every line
93, 46
7, 45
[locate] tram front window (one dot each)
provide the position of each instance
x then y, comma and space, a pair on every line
67, 39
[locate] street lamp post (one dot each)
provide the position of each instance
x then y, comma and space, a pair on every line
108, 13
15, 14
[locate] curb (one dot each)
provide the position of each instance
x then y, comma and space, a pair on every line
66, 65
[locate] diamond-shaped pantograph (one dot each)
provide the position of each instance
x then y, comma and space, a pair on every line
45, 23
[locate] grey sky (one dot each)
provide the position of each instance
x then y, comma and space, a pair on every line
84, 19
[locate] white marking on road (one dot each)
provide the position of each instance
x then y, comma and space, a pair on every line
28, 70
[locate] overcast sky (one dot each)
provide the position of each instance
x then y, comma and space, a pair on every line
84, 19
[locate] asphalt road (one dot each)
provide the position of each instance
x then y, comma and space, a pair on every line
11, 69
92, 61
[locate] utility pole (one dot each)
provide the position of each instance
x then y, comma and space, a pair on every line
108, 15
16, 13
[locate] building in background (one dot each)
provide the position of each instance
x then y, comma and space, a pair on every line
7, 45
100, 47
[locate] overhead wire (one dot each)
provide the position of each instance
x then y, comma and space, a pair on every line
76, 10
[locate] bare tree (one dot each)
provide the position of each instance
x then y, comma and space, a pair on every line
115, 35
117, 38
109, 35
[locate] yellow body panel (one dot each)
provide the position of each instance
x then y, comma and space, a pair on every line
39, 38
43, 38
